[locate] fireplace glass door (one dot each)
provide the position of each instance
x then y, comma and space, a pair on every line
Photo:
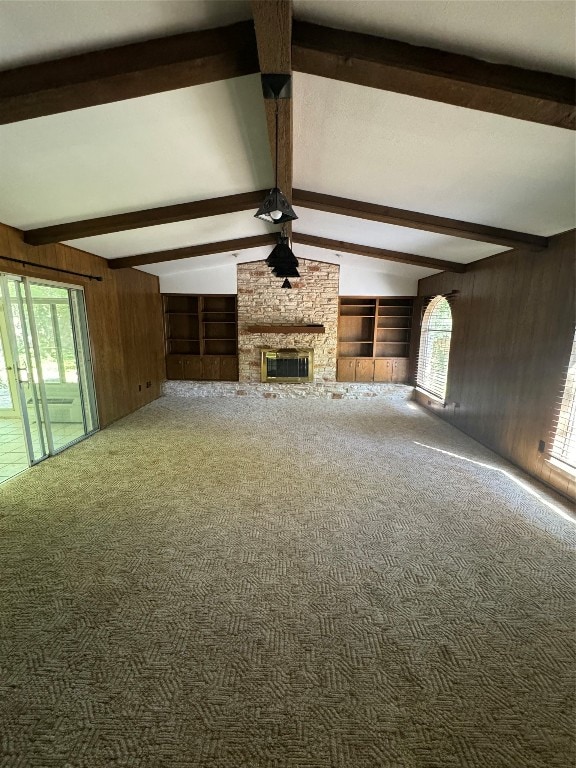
287, 365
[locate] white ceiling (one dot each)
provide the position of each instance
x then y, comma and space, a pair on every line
169, 236
243, 224
525, 33
363, 232
432, 157
48, 29
303, 252
167, 148
349, 141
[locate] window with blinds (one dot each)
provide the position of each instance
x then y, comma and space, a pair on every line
564, 443
432, 374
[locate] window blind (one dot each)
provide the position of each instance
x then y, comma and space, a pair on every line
564, 442
434, 353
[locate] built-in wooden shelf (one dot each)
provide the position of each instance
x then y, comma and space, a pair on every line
374, 338
286, 329
201, 337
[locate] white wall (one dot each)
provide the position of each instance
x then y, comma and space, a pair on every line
353, 281
367, 282
216, 280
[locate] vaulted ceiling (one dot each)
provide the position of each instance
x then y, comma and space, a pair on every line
395, 153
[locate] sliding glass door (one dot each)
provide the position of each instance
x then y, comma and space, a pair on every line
48, 339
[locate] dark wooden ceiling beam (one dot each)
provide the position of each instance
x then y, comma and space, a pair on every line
273, 25
193, 58
150, 217
127, 71
251, 200
415, 220
378, 253
428, 73
190, 251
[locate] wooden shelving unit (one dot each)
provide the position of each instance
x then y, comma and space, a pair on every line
374, 338
219, 326
201, 337
181, 315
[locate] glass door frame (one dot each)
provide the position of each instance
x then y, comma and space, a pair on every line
7, 301
79, 327
83, 349
35, 355
10, 364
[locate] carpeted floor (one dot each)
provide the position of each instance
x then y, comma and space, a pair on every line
242, 583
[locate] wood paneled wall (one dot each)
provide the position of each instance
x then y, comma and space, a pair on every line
124, 320
513, 325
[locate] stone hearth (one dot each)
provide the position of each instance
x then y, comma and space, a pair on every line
335, 390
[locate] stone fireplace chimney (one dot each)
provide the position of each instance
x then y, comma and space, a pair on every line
313, 300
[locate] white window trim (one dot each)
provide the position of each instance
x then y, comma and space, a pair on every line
560, 465
430, 395
419, 385
555, 456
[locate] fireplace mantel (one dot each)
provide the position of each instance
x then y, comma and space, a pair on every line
285, 329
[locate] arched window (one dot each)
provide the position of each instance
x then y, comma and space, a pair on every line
564, 443
435, 347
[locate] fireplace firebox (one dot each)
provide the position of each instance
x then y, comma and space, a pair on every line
287, 365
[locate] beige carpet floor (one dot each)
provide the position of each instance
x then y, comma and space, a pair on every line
242, 583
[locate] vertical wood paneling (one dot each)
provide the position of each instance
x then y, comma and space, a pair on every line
513, 324
124, 321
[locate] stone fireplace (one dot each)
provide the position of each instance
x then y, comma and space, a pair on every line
312, 301
311, 309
